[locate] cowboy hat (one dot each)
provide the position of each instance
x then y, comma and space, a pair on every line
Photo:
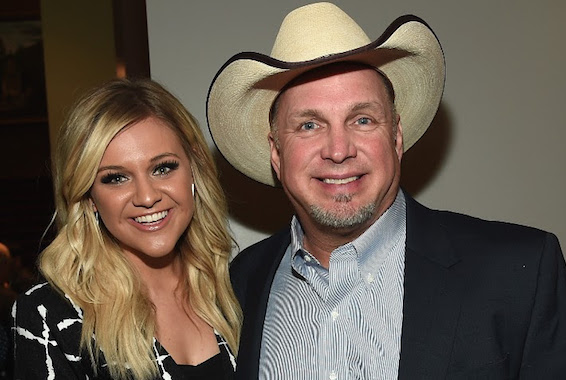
242, 92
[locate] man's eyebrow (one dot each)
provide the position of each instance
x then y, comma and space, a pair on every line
307, 113
366, 105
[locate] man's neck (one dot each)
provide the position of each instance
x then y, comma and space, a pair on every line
321, 241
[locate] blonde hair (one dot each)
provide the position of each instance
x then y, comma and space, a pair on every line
85, 262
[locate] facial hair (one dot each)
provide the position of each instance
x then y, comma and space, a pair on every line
343, 215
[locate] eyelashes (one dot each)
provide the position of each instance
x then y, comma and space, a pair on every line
112, 178
166, 167
170, 164
161, 170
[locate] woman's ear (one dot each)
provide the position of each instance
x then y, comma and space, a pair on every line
93, 205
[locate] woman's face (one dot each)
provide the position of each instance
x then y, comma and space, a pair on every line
142, 190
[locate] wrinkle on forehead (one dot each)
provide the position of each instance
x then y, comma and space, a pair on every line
324, 72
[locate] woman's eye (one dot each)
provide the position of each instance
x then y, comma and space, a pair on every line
165, 168
113, 178
162, 170
308, 126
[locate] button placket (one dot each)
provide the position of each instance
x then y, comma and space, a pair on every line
334, 314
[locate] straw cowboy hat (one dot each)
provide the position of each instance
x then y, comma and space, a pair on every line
243, 90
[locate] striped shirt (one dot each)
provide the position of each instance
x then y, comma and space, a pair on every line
344, 322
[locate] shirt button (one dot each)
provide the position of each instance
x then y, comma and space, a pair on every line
334, 314
333, 376
308, 258
370, 278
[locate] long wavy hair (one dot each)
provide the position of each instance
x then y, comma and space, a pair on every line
85, 262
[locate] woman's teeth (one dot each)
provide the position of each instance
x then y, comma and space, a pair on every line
151, 218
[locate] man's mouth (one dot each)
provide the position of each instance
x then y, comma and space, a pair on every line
340, 181
156, 217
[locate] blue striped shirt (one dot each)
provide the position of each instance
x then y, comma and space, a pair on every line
344, 322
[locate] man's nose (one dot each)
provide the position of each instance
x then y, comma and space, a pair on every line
339, 144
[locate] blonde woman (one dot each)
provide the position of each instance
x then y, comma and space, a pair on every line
137, 282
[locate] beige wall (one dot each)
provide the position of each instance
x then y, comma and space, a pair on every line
78, 42
496, 148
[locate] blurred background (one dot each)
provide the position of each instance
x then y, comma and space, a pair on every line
50, 51
496, 147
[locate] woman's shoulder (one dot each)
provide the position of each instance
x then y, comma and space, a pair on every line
47, 331
39, 290
42, 293
42, 301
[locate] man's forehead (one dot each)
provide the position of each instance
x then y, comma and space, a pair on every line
326, 71
300, 110
330, 70
339, 68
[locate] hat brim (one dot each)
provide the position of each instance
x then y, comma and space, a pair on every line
243, 90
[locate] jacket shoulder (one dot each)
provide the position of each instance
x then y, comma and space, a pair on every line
260, 253
462, 225
258, 262
470, 226
469, 235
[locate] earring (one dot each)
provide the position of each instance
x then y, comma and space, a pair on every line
97, 218
193, 189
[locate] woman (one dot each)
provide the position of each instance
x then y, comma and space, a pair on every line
137, 276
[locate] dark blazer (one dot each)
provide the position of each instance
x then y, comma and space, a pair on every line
483, 300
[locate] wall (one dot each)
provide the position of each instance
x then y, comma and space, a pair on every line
495, 149
79, 51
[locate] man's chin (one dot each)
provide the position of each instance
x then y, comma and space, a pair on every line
345, 217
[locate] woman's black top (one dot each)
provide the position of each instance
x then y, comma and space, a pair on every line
47, 333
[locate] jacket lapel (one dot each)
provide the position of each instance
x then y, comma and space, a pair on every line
257, 295
431, 305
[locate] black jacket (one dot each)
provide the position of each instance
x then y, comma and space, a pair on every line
483, 300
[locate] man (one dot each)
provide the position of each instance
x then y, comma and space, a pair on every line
366, 283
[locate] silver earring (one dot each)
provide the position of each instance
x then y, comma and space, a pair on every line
97, 218
193, 189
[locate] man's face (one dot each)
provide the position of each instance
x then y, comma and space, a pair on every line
338, 148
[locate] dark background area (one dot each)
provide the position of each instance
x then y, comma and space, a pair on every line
25, 182
26, 188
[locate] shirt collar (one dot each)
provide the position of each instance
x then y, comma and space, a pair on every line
372, 247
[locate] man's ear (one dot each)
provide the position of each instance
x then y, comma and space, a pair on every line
275, 158
399, 139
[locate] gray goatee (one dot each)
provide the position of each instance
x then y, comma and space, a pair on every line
344, 216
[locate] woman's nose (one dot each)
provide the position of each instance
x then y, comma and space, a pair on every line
147, 194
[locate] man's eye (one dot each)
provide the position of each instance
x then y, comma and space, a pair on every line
364, 120
309, 125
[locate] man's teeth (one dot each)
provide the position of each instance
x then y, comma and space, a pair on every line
151, 218
341, 181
